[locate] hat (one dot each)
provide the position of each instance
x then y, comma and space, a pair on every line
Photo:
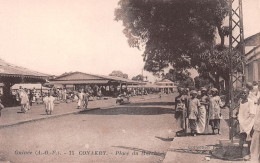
214, 90
193, 92
249, 85
255, 83
203, 89
244, 90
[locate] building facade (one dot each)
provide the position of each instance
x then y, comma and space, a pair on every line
252, 67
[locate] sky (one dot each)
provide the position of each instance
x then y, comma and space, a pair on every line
57, 36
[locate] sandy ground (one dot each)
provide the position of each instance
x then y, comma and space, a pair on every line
139, 132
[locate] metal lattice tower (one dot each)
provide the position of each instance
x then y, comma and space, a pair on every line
236, 49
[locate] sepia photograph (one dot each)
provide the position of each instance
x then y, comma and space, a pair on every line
129, 81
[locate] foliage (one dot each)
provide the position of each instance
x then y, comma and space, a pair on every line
181, 76
217, 61
119, 74
173, 32
202, 81
176, 75
138, 78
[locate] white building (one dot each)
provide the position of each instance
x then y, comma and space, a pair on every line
166, 86
252, 49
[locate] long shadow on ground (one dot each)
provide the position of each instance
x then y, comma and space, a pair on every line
129, 111
151, 103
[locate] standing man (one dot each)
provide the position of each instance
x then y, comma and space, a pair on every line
34, 94
215, 105
246, 118
65, 95
180, 109
1, 105
255, 143
49, 103
85, 101
81, 95
30, 97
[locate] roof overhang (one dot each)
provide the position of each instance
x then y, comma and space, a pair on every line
24, 76
78, 82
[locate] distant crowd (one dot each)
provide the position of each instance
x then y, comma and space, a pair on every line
26, 97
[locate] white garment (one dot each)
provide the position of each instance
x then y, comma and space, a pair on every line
254, 97
202, 119
80, 99
246, 117
49, 103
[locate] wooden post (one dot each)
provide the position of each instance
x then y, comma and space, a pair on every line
120, 87
41, 92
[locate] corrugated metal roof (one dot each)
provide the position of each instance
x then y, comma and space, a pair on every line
7, 69
79, 82
110, 78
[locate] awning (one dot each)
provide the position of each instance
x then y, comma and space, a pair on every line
29, 86
143, 86
167, 86
79, 82
10, 70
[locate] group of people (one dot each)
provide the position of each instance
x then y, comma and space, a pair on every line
62, 94
83, 98
25, 99
198, 109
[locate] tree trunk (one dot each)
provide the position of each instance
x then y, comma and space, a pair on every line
217, 81
221, 35
227, 80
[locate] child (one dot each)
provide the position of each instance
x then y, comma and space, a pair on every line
194, 105
246, 118
215, 105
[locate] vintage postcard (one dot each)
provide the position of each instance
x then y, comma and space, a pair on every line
171, 81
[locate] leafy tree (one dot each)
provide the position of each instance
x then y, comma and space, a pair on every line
203, 81
181, 76
180, 33
139, 78
119, 74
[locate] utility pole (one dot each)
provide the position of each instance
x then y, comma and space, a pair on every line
236, 49
142, 81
